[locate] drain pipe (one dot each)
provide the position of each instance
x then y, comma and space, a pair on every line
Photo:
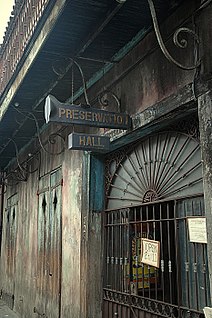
1, 206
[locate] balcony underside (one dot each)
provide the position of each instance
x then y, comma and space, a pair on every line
96, 34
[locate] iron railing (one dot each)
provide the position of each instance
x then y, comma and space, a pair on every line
23, 21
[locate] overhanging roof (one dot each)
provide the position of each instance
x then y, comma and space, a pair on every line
96, 34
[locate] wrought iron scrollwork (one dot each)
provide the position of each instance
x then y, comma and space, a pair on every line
52, 141
73, 62
103, 99
51, 138
183, 43
23, 169
188, 126
179, 43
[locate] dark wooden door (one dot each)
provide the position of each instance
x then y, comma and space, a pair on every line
49, 246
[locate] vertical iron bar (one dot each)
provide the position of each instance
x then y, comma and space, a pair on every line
136, 240
187, 256
204, 258
112, 251
130, 254
169, 254
162, 255
142, 235
121, 250
116, 250
205, 278
154, 238
196, 274
107, 231
148, 236
126, 254
119, 253
195, 264
177, 257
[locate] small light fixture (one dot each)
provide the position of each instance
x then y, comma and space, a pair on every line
16, 104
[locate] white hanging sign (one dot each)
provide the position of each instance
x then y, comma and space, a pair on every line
150, 252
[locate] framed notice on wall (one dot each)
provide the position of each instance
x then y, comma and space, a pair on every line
150, 252
197, 229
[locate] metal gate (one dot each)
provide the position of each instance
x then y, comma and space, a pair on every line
163, 173
179, 288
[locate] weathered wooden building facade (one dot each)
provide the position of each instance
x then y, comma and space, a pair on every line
74, 223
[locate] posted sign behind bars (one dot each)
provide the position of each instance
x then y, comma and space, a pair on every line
150, 252
56, 111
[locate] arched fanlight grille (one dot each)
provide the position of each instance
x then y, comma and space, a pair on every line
165, 165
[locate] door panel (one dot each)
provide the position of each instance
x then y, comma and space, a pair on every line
49, 246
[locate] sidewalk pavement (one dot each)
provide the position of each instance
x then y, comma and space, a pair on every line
5, 311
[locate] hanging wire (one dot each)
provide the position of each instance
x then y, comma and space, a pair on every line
17, 158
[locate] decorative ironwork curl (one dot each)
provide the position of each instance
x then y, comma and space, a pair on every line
20, 173
51, 138
188, 126
150, 196
52, 141
104, 101
179, 43
15, 176
183, 43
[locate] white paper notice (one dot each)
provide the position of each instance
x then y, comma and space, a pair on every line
197, 229
208, 312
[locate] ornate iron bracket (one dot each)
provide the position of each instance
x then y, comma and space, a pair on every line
21, 173
179, 43
103, 99
81, 74
51, 138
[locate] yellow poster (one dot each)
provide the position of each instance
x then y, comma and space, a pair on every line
142, 275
